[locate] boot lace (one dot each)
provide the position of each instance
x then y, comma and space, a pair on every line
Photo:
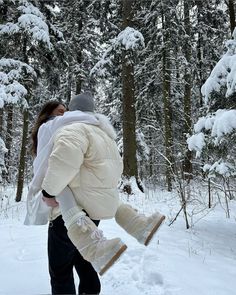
97, 235
83, 222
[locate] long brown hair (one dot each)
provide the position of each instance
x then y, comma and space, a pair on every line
43, 117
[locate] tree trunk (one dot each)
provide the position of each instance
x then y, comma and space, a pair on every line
79, 57
167, 106
8, 141
209, 193
199, 53
69, 86
22, 161
187, 92
129, 119
231, 15
21, 167
128, 107
1, 122
78, 77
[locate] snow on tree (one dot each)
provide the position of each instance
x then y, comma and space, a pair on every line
80, 23
129, 40
31, 21
13, 74
214, 135
25, 25
224, 73
30, 24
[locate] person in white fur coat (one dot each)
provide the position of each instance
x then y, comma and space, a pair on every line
63, 257
83, 171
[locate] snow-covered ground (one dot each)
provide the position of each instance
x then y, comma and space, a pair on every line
199, 261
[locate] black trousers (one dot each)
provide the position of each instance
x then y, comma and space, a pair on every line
62, 257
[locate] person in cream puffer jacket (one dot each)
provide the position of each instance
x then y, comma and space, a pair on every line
83, 171
85, 157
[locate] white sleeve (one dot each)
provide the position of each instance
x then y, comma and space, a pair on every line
44, 136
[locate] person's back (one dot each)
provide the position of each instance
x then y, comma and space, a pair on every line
91, 166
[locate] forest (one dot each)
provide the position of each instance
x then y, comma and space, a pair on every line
164, 72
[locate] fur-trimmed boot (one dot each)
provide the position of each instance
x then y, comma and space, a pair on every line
138, 225
89, 240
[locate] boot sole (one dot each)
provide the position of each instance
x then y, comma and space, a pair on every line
154, 230
113, 260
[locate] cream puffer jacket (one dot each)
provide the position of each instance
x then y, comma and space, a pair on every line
86, 158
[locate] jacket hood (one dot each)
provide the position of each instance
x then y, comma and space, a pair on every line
105, 125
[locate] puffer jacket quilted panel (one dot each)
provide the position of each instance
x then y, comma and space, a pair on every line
87, 159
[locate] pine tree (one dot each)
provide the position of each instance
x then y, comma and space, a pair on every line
121, 55
26, 24
79, 22
214, 133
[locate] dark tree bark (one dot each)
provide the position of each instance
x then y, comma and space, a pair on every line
166, 89
187, 91
79, 80
1, 122
199, 52
24, 140
8, 141
231, 15
21, 167
128, 105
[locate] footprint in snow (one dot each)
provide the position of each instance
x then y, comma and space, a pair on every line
152, 277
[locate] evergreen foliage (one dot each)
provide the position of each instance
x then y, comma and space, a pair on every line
54, 49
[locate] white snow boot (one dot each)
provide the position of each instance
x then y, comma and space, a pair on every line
138, 225
91, 244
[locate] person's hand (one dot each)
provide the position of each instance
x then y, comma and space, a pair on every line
51, 202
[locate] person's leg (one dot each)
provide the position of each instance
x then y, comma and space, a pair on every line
69, 208
85, 235
89, 280
61, 253
138, 225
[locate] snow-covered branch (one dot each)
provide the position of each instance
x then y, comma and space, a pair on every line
220, 123
12, 77
129, 40
32, 22
224, 72
214, 134
220, 168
